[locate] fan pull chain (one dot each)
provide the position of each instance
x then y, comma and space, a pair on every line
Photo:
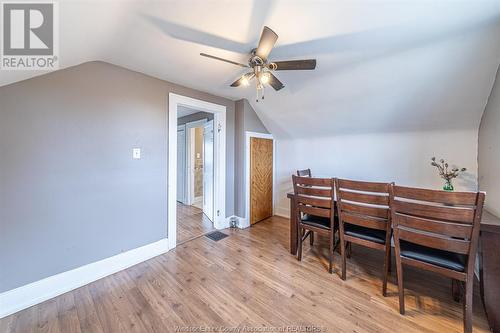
260, 87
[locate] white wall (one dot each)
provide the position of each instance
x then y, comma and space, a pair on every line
489, 150
400, 157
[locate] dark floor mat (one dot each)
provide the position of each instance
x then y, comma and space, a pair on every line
216, 235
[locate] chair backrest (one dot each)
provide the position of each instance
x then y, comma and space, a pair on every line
304, 173
441, 220
364, 204
314, 196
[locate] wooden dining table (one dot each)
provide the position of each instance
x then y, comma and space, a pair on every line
489, 268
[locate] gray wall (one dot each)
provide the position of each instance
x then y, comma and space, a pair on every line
489, 150
70, 193
195, 116
245, 120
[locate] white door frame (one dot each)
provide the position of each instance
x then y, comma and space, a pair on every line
249, 135
189, 158
219, 111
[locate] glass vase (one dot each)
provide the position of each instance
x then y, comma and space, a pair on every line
448, 186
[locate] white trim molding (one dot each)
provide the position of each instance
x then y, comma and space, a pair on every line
28, 295
249, 135
219, 111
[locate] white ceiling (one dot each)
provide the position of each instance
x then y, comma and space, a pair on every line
405, 65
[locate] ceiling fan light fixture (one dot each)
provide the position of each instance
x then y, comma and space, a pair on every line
244, 81
261, 68
265, 77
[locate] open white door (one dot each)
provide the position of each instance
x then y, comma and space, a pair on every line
208, 169
181, 163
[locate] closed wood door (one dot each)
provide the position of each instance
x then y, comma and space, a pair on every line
261, 179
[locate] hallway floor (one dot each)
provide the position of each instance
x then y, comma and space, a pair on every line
191, 223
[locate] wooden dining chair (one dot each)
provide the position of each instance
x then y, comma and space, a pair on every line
304, 173
315, 211
437, 231
364, 219
307, 173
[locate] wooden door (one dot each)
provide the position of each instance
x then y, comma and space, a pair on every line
261, 179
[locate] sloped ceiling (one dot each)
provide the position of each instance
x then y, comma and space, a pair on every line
410, 65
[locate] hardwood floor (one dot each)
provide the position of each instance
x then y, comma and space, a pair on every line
191, 223
250, 279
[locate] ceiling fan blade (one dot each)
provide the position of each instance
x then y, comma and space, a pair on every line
239, 82
266, 43
275, 83
292, 65
225, 60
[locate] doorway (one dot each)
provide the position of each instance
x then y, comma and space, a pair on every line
196, 168
195, 173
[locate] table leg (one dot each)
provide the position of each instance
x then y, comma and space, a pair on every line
293, 228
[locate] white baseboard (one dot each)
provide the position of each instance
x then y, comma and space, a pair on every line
243, 223
28, 295
283, 212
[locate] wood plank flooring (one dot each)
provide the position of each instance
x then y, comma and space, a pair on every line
191, 223
250, 279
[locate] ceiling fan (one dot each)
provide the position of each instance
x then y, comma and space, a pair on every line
262, 68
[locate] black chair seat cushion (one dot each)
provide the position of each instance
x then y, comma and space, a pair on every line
369, 234
316, 221
432, 256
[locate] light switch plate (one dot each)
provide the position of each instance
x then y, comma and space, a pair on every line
136, 153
